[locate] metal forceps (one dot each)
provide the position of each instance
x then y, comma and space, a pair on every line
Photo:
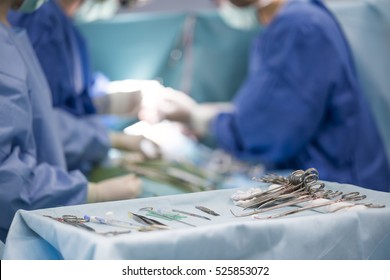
147, 221
368, 205
317, 193
164, 216
300, 186
296, 184
353, 196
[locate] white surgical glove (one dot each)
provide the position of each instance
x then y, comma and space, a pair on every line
177, 106
118, 188
166, 104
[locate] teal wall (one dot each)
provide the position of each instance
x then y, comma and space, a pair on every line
196, 53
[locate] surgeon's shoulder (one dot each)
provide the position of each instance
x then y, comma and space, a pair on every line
41, 21
305, 16
12, 66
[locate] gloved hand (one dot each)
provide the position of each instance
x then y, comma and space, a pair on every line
167, 104
118, 188
177, 106
135, 143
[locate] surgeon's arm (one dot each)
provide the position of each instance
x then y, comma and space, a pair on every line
202, 115
85, 140
26, 183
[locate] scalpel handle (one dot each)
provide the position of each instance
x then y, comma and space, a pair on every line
206, 210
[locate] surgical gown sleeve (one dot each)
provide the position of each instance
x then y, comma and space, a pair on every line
85, 140
282, 101
25, 181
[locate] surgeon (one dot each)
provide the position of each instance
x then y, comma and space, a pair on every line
33, 172
301, 104
63, 55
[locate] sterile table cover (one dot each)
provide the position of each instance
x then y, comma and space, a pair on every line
1, 249
363, 234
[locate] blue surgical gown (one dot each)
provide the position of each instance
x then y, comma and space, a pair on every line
32, 165
301, 104
63, 56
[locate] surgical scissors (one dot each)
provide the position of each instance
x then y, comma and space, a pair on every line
80, 223
353, 196
74, 221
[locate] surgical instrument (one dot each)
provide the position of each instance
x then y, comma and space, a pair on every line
117, 223
147, 221
72, 220
79, 223
191, 214
297, 183
368, 205
293, 202
353, 196
207, 210
164, 215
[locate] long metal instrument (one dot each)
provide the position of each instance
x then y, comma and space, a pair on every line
353, 196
